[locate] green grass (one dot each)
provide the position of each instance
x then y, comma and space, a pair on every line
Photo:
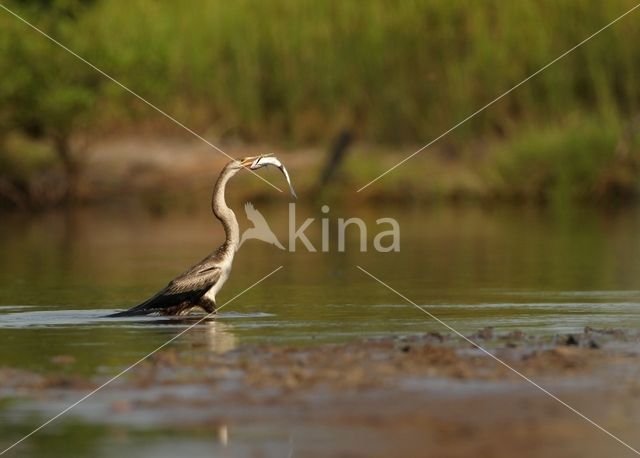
298, 70
295, 72
593, 158
578, 159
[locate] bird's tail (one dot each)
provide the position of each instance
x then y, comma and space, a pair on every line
130, 312
149, 306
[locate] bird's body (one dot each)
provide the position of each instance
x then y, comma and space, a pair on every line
198, 286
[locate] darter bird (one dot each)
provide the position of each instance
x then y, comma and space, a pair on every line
198, 286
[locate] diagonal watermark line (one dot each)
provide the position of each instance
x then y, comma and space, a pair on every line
504, 94
491, 355
124, 371
130, 91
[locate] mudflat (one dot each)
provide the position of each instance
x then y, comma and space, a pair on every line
421, 395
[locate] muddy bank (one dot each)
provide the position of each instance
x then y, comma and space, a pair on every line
163, 173
429, 394
390, 362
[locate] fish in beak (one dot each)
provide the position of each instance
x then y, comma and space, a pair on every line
257, 162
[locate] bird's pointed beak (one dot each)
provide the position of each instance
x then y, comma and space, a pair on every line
251, 161
247, 161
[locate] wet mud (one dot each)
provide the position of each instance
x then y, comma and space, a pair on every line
423, 395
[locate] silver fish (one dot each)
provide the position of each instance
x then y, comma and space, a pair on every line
263, 161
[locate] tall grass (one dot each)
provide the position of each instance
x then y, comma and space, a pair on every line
405, 71
299, 71
584, 159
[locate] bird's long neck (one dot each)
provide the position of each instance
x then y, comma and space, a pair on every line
222, 211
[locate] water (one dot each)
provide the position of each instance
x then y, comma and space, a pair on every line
529, 269
541, 271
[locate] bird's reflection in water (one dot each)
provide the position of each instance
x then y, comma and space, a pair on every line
223, 434
218, 336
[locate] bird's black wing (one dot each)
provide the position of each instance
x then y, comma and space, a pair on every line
188, 287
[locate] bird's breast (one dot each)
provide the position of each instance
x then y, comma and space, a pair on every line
217, 286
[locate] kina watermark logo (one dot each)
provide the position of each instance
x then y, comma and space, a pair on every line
384, 237
260, 230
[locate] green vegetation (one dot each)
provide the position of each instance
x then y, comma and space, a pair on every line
582, 160
295, 72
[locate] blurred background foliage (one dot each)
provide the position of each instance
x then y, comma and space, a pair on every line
295, 73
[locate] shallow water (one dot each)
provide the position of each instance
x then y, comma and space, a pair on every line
530, 269
535, 270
